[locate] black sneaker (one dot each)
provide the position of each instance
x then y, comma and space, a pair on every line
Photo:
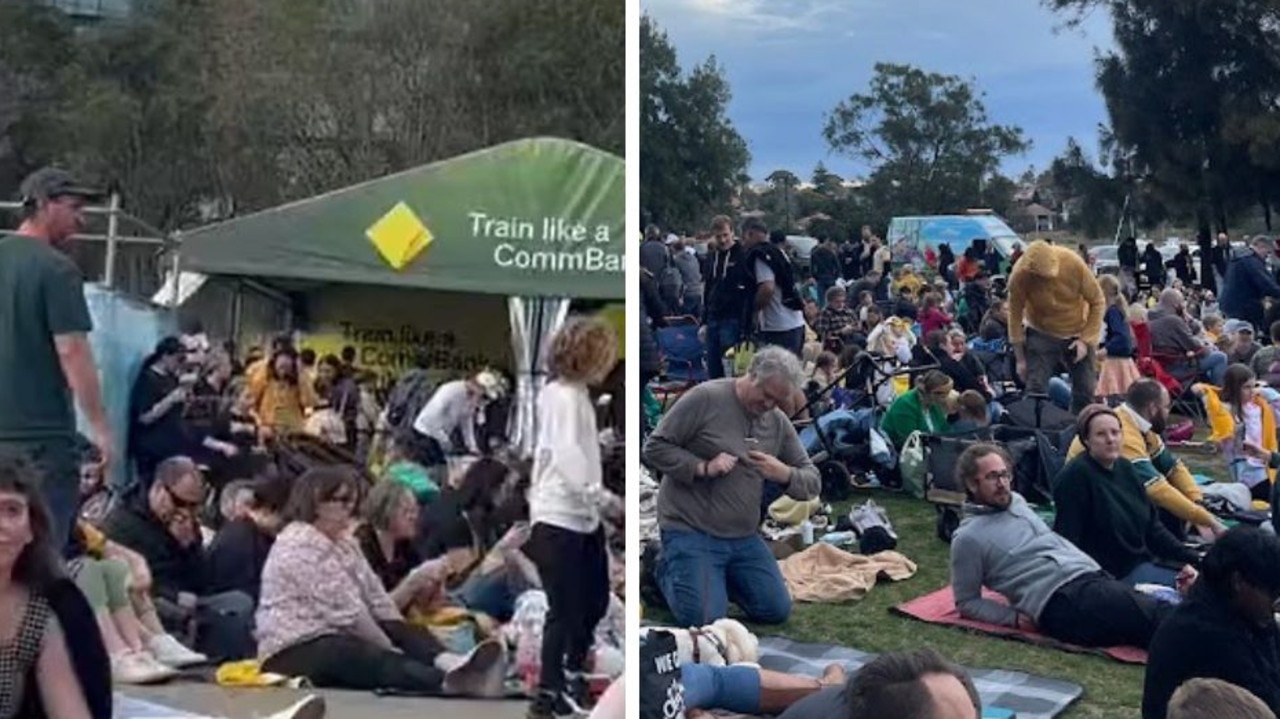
577, 691
549, 705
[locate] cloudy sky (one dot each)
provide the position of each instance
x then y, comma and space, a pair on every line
789, 62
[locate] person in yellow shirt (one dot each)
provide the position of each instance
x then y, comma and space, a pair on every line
1143, 418
1055, 318
280, 403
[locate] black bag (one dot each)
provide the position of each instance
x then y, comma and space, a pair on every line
1057, 424
661, 692
650, 591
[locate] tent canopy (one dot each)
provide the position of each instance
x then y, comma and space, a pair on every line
536, 217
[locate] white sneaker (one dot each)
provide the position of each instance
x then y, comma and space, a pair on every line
171, 652
139, 668
480, 673
311, 707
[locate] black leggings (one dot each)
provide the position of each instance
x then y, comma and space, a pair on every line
1097, 611
343, 661
575, 576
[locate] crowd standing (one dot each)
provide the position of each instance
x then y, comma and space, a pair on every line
284, 516
1137, 552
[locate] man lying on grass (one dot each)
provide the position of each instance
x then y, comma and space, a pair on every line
1052, 586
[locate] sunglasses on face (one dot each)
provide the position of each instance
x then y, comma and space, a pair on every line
345, 500
179, 502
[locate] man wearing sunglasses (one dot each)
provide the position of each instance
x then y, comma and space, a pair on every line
162, 525
1051, 586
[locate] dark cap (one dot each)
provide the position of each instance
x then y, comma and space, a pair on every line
50, 183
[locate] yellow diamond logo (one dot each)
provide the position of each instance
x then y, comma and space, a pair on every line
399, 236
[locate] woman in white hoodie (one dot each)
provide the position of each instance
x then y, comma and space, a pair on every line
566, 500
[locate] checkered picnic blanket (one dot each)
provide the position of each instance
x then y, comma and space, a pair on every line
1027, 695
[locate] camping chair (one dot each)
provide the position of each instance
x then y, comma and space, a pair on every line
1170, 370
682, 358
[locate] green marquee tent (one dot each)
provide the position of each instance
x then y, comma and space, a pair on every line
536, 217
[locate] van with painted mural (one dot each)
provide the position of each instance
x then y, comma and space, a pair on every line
914, 239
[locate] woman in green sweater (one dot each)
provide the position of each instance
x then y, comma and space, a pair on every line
922, 409
1103, 509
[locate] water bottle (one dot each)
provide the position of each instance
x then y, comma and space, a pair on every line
838, 538
806, 532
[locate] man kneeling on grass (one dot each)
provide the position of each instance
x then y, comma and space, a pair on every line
717, 449
1052, 586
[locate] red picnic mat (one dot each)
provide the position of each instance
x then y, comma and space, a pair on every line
940, 608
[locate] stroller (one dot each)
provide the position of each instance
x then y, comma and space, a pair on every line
1038, 453
848, 439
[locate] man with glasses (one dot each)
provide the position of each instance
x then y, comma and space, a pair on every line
719, 449
45, 357
730, 287
162, 525
1051, 586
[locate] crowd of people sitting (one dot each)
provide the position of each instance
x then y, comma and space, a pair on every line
283, 521
1134, 552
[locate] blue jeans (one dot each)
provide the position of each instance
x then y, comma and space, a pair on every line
700, 574
732, 688
1148, 573
722, 335
1214, 366
1060, 392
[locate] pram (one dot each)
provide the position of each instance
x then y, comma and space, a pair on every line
840, 446
1038, 453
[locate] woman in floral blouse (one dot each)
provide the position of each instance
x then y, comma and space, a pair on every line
325, 615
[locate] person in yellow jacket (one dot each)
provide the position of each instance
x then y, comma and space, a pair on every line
1238, 417
281, 402
1168, 482
1055, 318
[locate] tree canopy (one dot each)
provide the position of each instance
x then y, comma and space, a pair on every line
692, 160
1192, 90
926, 138
196, 109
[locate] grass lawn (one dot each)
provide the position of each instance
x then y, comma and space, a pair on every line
1112, 690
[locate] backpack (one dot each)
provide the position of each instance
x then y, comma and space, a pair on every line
408, 398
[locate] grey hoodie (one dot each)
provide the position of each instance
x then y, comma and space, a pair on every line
1012, 552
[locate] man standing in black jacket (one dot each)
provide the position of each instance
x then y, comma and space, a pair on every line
1226, 629
161, 525
729, 288
825, 263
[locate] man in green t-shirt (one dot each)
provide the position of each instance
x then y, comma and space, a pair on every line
45, 357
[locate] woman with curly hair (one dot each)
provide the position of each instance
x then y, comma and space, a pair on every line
566, 500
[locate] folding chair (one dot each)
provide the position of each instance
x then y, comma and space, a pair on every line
683, 359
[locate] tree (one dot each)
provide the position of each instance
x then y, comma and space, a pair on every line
691, 157
247, 105
825, 182
926, 137
1191, 91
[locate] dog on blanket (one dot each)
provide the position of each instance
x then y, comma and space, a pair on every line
718, 644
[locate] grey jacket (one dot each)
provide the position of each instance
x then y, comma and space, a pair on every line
1012, 552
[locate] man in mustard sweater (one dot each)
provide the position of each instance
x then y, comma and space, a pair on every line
1143, 418
1055, 318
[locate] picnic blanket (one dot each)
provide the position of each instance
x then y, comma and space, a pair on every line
940, 608
127, 707
823, 573
1027, 695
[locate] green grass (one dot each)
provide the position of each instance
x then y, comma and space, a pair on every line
1111, 690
